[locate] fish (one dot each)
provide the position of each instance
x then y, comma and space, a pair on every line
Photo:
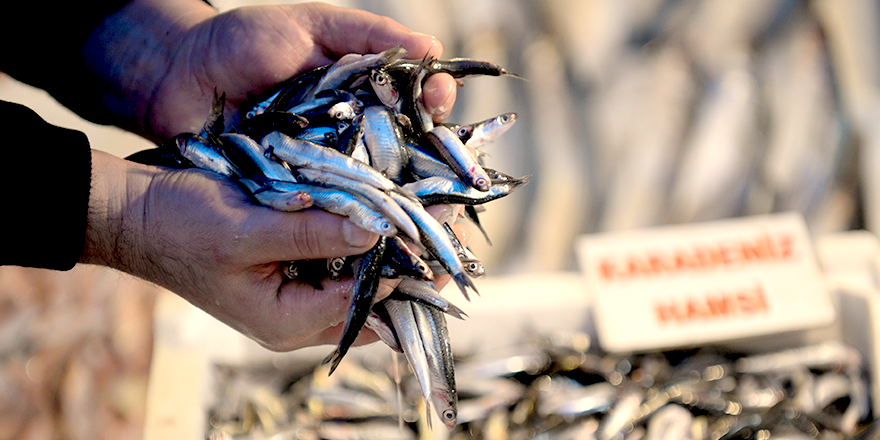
367, 284
242, 146
459, 158
435, 338
385, 204
443, 190
384, 140
344, 203
481, 133
310, 155
405, 326
401, 261
436, 241
424, 292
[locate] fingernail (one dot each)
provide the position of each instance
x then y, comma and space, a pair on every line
444, 89
355, 236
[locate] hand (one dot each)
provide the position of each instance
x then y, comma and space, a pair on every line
199, 235
242, 53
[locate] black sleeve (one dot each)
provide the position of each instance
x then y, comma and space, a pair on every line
42, 46
45, 180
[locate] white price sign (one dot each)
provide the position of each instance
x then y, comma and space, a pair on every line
700, 283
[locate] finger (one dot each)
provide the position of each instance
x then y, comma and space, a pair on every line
322, 312
308, 234
339, 31
463, 234
310, 316
438, 95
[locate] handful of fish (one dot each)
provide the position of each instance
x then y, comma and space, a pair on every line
561, 387
353, 138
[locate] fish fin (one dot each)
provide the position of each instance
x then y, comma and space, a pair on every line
504, 72
455, 312
215, 124
463, 281
333, 359
471, 213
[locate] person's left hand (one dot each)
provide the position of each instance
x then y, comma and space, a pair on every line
246, 51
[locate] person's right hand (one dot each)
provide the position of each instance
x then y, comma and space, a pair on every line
200, 236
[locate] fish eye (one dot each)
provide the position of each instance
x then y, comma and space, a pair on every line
379, 78
504, 118
462, 131
423, 268
449, 414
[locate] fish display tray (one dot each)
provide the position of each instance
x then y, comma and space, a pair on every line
188, 343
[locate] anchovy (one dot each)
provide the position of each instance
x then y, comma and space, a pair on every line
382, 328
343, 71
434, 190
290, 199
163, 157
240, 145
309, 155
381, 200
413, 107
205, 155
385, 89
405, 326
289, 92
365, 271
435, 338
265, 123
321, 135
481, 133
435, 239
425, 293
384, 141
344, 203
401, 261
424, 164
457, 67
335, 267
459, 158
348, 139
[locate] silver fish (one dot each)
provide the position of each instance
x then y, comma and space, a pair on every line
309, 155
435, 239
256, 155
381, 200
435, 337
344, 203
384, 141
434, 190
353, 64
425, 292
459, 157
290, 200
405, 326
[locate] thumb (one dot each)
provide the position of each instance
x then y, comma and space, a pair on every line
307, 234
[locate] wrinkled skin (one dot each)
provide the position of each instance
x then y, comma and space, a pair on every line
192, 231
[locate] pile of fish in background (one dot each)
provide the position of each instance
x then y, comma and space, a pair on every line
353, 138
560, 388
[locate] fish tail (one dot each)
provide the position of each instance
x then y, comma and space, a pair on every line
333, 359
454, 311
463, 281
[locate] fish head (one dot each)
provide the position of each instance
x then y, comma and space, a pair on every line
446, 405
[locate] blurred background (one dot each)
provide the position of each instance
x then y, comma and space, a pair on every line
633, 113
